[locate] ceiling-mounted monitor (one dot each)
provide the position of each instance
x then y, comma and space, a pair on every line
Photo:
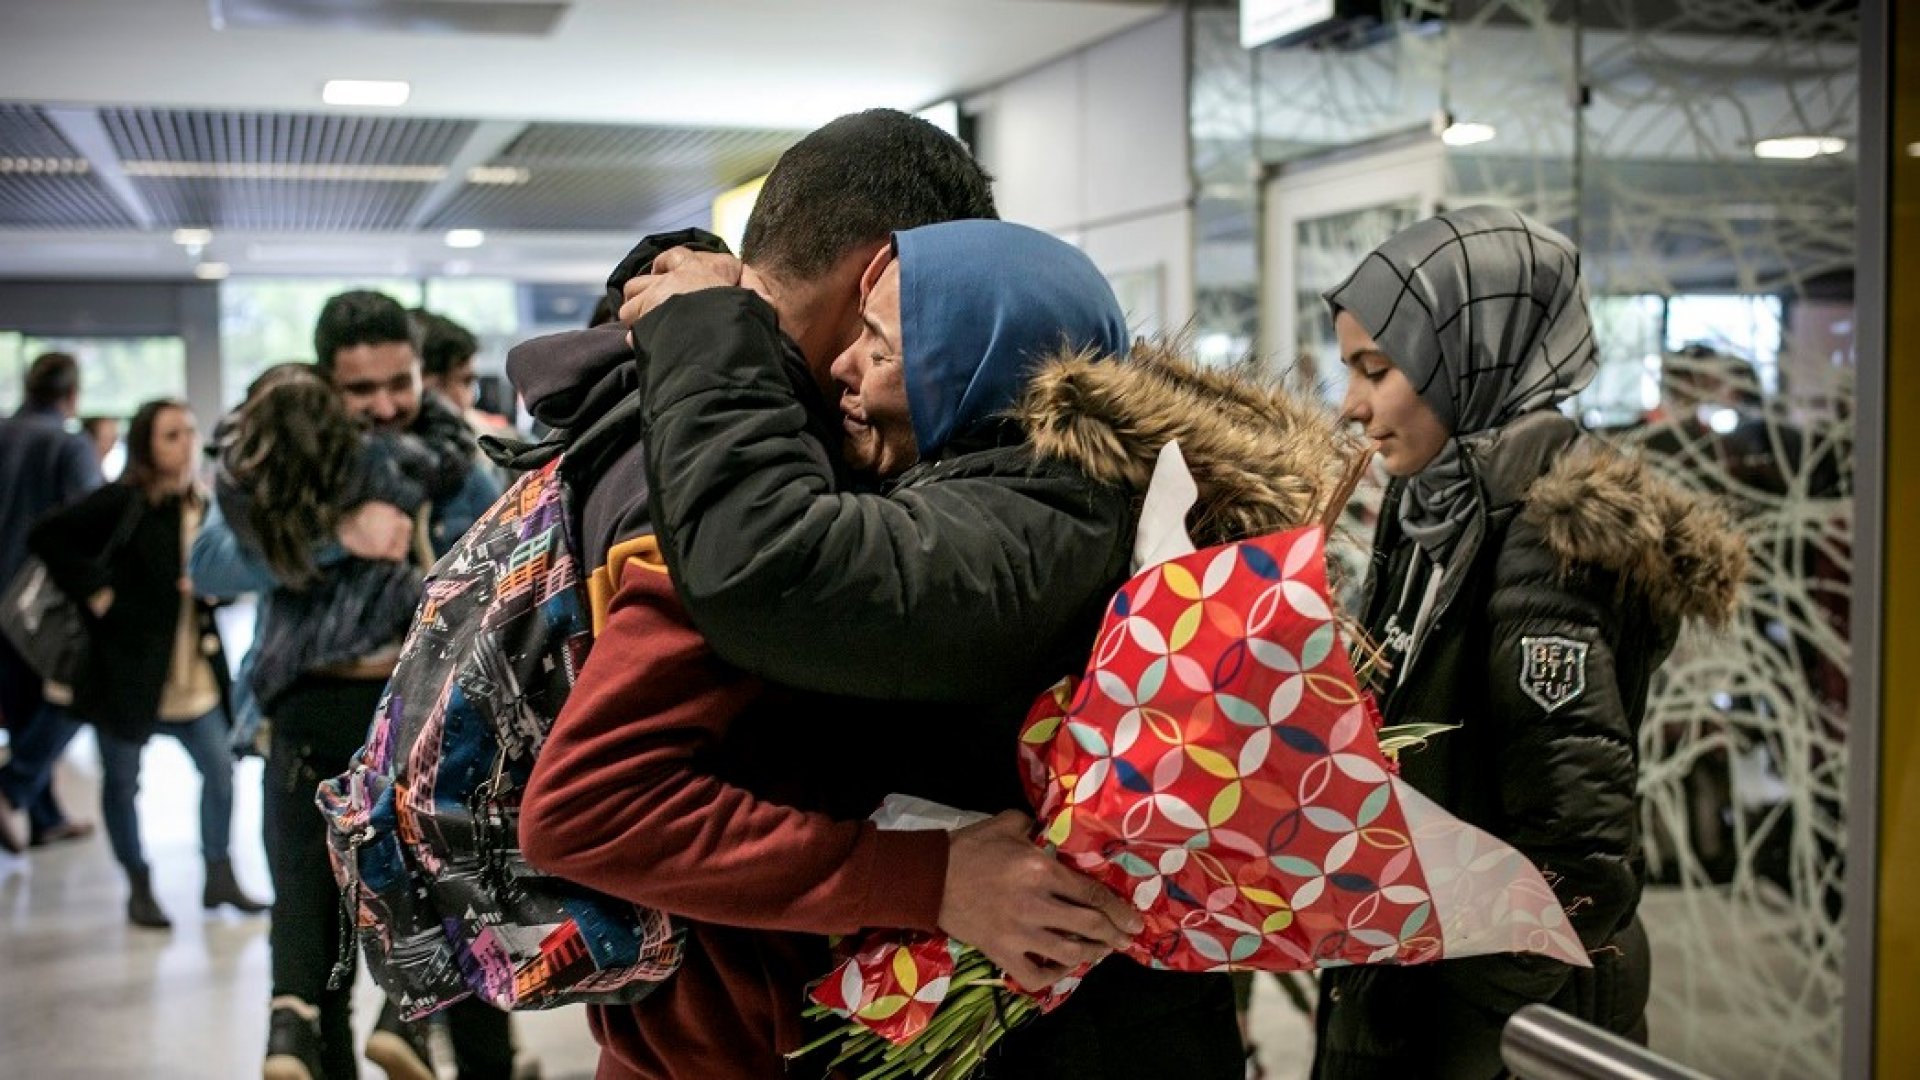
1289, 22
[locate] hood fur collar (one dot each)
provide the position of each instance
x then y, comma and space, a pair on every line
1599, 507
1603, 508
1263, 459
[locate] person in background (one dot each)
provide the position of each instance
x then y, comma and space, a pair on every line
320, 711
1718, 432
42, 467
104, 433
1525, 584
221, 567
155, 663
446, 368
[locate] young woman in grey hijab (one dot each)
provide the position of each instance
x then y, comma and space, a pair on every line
1525, 584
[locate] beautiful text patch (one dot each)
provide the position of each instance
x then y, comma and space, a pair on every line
1553, 670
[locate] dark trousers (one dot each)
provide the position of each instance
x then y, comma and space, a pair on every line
38, 732
318, 724
206, 742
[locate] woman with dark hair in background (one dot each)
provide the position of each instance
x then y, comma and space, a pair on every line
155, 659
296, 468
1526, 583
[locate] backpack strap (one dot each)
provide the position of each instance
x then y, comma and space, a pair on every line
642, 551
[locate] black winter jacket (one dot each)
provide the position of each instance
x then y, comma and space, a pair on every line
976, 581
131, 646
907, 597
1562, 599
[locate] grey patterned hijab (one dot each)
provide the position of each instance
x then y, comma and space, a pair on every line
1484, 309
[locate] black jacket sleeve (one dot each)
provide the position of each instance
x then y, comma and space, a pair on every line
1567, 769
444, 454
72, 540
953, 590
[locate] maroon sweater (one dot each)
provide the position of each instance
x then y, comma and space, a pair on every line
649, 789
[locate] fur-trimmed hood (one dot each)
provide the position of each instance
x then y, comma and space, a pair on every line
1262, 458
1599, 507
1603, 508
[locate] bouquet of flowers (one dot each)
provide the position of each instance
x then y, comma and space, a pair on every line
1219, 765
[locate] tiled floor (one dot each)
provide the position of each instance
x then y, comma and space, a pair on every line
85, 996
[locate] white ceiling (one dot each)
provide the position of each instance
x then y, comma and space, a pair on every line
761, 64
739, 63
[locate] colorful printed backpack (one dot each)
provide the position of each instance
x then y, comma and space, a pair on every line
423, 826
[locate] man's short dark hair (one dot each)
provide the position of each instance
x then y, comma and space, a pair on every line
51, 379
855, 181
359, 317
442, 343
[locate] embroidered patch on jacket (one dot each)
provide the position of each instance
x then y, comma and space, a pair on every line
1553, 670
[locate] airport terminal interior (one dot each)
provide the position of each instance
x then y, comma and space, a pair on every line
184, 185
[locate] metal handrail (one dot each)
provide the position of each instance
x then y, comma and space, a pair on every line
1543, 1043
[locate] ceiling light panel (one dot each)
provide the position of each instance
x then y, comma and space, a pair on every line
1467, 133
503, 175
39, 166
272, 170
1799, 147
370, 93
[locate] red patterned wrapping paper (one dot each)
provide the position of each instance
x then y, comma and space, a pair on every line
1218, 765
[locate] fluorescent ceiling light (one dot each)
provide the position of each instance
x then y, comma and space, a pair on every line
1913, 149
211, 271
274, 170
498, 174
1467, 133
1798, 147
44, 165
465, 238
193, 237
382, 93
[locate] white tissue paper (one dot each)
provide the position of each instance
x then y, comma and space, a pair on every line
1171, 493
900, 813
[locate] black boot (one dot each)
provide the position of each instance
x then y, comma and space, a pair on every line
293, 1044
142, 908
223, 888
400, 1046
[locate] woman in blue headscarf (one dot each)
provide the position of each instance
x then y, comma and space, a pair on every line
1008, 432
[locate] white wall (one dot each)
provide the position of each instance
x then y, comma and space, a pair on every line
1093, 147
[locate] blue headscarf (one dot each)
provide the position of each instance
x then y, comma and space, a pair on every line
982, 303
